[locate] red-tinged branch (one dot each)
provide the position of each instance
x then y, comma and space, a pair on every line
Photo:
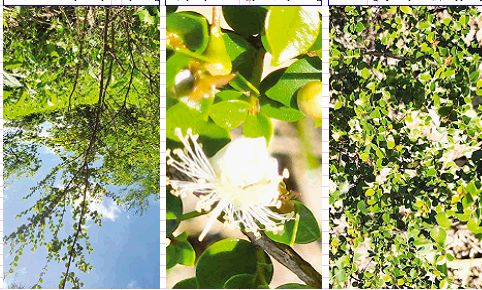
216, 16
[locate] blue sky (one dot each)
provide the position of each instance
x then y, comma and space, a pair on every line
126, 247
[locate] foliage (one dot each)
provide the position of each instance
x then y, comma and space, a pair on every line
211, 105
406, 160
84, 82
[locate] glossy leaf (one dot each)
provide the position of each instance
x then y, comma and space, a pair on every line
473, 226
293, 286
180, 251
257, 126
241, 53
229, 114
191, 27
211, 135
442, 220
298, 74
225, 259
317, 46
439, 235
171, 9
229, 95
241, 84
306, 229
241, 281
291, 31
189, 283
279, 111
245, 20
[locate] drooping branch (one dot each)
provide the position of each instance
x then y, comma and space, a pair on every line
288, 258
85, 166
79, 56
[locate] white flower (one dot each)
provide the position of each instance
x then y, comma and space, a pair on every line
241, 178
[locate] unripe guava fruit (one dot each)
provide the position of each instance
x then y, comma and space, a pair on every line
309, 99
216, 51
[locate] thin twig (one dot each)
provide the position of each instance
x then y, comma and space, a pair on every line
80, 59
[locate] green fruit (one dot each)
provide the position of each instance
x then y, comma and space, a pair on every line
309, 99
216, 51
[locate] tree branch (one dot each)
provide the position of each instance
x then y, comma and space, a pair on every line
91, 143
80, 60
288, 258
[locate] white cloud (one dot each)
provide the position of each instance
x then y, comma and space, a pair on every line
133, 285
44, 129
108, 209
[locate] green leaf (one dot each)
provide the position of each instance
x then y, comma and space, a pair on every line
306, 229
318, 45
293, 286
474, 76
443, 220
257, 126
12, 64
439, 235
171, 9
175, 64
191, 27
241, 281
278, 111
274, 109
406, 9
10, 81
291, 31
471, 188
365, 73
228, 258
364, 156
424, 24
296, 75
245, 20
241, 53
189, 283
241, 84
145, 17
390, 144
286, 237
180, 251
211, 135
173, 212
370, 192
229, 95
229, 114
473, 226
360, 27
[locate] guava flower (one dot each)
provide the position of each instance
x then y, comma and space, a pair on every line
241, 180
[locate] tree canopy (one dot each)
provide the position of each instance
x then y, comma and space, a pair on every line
90, 75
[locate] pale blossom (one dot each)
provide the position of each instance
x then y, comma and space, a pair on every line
241, 180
